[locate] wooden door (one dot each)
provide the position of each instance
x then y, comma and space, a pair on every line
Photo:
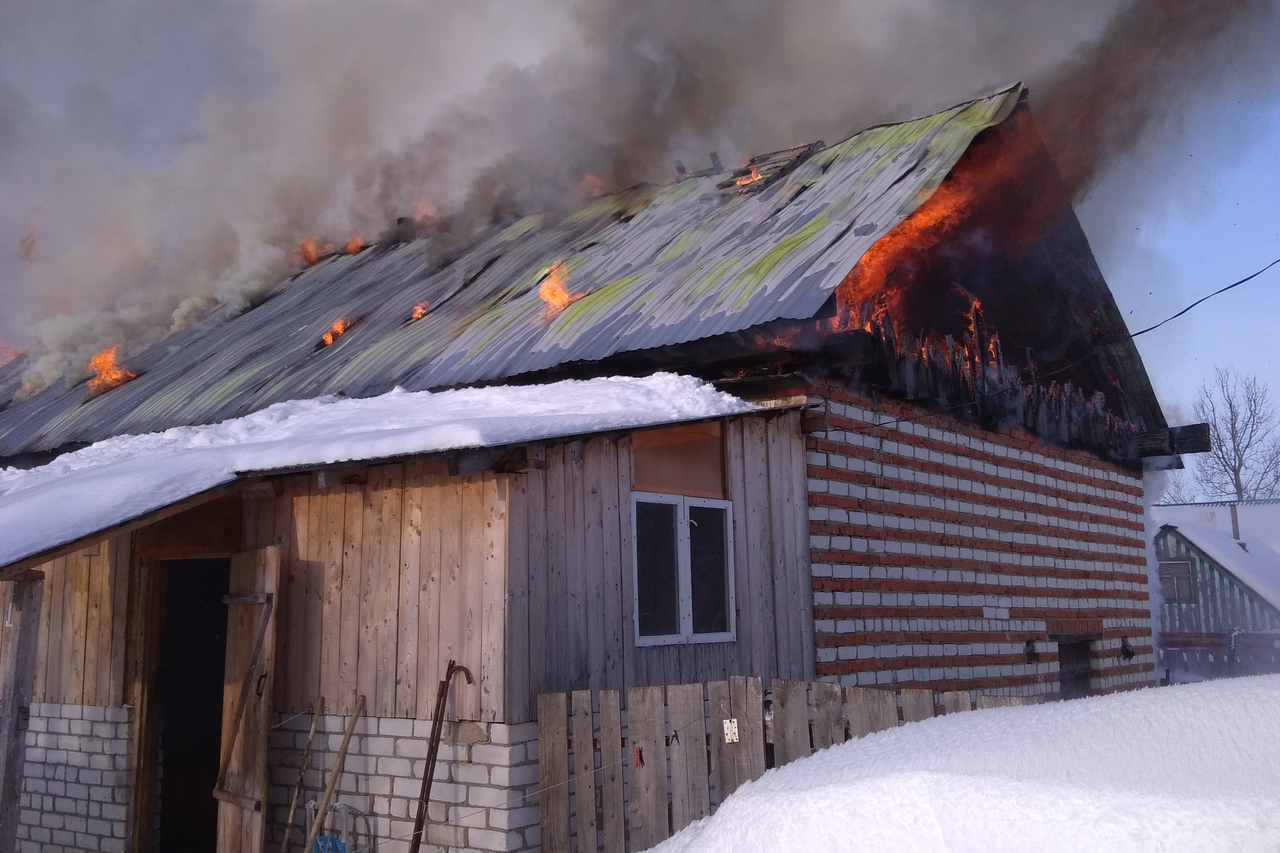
246, 705
19, 624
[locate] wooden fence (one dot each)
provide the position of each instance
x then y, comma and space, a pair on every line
613, 780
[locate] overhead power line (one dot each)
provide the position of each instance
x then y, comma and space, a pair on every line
1249, 277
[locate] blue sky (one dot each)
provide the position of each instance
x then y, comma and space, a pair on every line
1205, 213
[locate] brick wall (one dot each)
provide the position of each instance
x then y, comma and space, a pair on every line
482, 796
76, 775
938, 549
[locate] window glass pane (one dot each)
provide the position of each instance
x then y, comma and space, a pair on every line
657, 582
1175, 580
709, 569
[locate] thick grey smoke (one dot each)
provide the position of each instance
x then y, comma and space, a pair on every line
159, 160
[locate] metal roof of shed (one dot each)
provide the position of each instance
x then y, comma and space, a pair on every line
655, 265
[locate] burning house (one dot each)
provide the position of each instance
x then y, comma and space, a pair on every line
935, 480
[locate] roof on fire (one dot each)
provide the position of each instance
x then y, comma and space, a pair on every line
658, 265
653, 266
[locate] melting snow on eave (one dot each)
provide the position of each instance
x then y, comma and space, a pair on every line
122, 478
1193, 767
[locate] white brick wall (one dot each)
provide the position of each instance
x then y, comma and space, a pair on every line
482, 795
75, 790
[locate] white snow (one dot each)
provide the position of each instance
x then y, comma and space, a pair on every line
1256, 565
123, 478
1185, 768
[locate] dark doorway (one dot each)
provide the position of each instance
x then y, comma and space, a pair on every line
1073, 669
192, 660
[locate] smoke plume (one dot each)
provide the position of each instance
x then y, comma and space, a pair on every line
161, 161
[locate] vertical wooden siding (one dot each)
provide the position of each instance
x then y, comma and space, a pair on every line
1220, 603
385, 580
571, 617
80, 650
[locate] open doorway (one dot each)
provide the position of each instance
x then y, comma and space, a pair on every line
1074, 671
192, 658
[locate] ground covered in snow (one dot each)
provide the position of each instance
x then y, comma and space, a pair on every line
1185, 768
123, 478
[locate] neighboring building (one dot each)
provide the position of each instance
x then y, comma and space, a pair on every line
1219, 589
899, 504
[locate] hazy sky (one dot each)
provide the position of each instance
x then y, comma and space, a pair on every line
158, 158
1211, 218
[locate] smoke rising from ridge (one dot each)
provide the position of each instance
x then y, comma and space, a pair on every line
166, 162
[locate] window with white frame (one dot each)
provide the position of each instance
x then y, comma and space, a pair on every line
684, 569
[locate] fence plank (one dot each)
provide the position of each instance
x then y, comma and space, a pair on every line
584, 770
553, 773
719, 709
828, 717
956, 701
613, 809
687, 747
790, 721
647, 809
747, 695
917, 704
870, 710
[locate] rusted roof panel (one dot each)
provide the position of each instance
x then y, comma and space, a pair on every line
653, 266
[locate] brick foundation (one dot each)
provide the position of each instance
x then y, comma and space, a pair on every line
482, 796
939, 549
75, 790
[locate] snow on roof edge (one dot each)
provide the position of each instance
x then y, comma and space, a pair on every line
125, 478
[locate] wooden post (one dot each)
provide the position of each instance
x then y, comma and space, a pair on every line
22, 609
790, 721
828, 716
870, 710
584, 770
553, 772
917, 704
613, 807
687, 746
648, 759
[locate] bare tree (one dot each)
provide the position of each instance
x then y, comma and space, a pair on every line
1245, 459
1179, 488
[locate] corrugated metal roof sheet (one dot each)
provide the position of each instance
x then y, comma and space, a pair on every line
654, 266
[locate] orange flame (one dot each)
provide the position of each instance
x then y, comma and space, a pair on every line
309, 251
553, 292
8, 353
746, 180
107, 373
419, 311
337, 330
977, 191
590, 186
355, 244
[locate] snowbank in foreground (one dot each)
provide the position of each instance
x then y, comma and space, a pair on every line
123, 478
1188, 768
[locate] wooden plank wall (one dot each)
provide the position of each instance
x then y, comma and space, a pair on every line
571, 570
388, 573
80, 650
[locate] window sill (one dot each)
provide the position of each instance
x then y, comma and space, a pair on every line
680, 640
